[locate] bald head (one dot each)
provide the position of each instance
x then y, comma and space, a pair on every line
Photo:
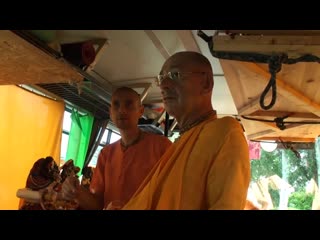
129, 91
189, 62
126, 108
189, 92
192, 60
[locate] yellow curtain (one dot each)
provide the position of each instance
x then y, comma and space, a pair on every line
30, 128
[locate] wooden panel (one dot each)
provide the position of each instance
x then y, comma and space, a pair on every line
247, 82
294, 96
295, 115
281, 105
302, 76
291, 93
254, 74
262, 130
243, 85
257, 129
277, 32
294, 46
259, 134
23, 63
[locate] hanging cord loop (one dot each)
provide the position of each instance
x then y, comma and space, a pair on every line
274, 61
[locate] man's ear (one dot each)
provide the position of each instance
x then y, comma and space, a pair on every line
207, 84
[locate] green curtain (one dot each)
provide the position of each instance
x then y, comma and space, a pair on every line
79, 136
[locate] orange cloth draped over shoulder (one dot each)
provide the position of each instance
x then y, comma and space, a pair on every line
207, 168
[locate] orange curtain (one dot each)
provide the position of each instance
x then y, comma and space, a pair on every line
30, 128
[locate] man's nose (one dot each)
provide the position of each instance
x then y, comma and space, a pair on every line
165, 83
122, 108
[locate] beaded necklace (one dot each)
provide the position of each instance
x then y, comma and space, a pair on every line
198, 121
125, 146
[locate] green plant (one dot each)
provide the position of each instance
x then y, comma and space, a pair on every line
268, 165
300, 200
275, 196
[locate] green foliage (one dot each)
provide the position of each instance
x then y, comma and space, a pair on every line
268, 165
300, 200
301, 170
275, 196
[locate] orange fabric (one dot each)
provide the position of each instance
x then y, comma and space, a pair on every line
30, 128
207, 168
119, 173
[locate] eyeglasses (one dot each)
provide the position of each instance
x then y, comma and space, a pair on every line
175, 76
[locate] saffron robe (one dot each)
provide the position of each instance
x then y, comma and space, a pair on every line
207, 168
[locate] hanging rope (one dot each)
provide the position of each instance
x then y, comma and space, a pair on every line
289, 146
279, 121
274, 67
274, 61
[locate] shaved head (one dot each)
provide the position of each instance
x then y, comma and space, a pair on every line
128, 91
126, 108
193, 60
190, 61
189, 94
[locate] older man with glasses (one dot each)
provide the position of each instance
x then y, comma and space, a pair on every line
208, 167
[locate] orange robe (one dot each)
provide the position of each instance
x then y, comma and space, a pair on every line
119, 173
207, 168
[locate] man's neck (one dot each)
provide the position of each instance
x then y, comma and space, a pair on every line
128, 136
189, 119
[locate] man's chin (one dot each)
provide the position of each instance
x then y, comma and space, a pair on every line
123, 127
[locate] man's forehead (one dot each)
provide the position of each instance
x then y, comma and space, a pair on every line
173, 66
124, 94
179, 62
187, 61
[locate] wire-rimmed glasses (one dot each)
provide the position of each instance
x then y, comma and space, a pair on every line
174, 75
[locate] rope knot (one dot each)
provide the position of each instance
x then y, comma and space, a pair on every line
275, 63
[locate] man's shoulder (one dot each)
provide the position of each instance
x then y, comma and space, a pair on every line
156, 137
109, 146
226, 123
